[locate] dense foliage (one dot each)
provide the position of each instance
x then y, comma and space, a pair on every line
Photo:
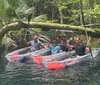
61, 11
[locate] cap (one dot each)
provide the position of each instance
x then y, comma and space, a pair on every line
54, 41
63, 35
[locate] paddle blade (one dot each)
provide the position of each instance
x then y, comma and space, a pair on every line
29, 18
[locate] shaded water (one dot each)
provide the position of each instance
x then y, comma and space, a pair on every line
31, 74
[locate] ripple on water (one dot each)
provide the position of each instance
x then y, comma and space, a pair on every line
32, 74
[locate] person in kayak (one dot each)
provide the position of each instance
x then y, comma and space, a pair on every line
64, 42
72, 39
11, 44
35, 44
80, 48
57, 38
71, 42
54, 48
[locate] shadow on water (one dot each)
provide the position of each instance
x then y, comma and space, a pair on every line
32, 74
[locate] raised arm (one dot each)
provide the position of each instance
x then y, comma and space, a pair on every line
27, 43
49, 43
44, 46
88, 48
72, 35
72, 38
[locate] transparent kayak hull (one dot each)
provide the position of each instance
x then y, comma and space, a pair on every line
53, 57
19, 54
69, 61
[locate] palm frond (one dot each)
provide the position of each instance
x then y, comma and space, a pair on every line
42, 18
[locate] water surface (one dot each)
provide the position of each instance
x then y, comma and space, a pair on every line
32, 74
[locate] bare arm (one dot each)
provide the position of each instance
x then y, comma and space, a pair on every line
88, 48
14, 44
72, 35
44, 46
27, 43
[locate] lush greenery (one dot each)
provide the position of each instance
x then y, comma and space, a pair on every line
61, 11
73, 12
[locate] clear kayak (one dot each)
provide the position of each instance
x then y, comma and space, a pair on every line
54, 57
19, 54
71, 60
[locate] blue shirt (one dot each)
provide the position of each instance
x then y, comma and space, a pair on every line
54, 49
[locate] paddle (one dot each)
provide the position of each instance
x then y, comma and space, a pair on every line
29, 18
91, 52
24, 25
81, 6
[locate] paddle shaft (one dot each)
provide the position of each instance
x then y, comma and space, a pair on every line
81, 6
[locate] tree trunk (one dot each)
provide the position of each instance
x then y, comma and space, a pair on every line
82, 14
15, 26
61, 16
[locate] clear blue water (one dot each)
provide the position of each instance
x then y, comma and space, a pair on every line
31, 74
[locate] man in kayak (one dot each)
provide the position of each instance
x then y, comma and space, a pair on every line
80, 48
35, 44
64, 42
54, 48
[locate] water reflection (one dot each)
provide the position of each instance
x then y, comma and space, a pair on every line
32, 74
